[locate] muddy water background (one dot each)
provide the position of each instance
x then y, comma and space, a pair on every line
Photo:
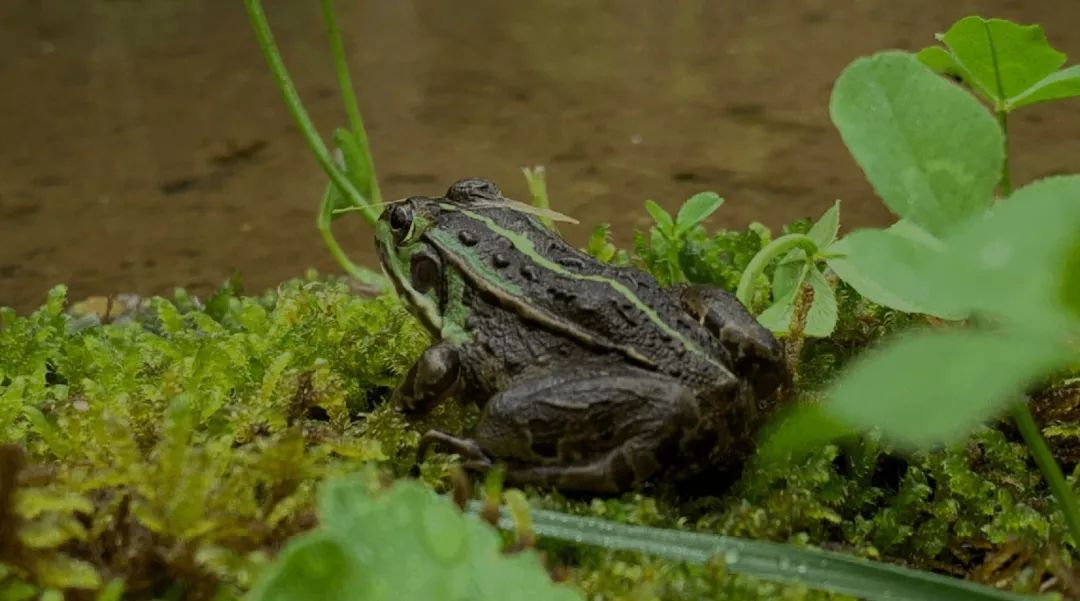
144, 146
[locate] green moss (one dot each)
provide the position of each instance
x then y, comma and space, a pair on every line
174, 450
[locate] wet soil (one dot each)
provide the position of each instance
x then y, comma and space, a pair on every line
145, 147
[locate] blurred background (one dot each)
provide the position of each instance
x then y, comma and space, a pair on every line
145, 147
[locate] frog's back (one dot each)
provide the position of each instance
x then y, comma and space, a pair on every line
619, 307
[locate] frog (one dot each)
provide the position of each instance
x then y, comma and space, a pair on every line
589, 377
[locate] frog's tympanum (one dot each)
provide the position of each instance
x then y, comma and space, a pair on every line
590, 377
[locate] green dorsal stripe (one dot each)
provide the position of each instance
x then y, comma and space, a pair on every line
524, 245
509, 295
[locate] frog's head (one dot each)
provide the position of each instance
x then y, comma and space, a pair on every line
409, 259
405, 242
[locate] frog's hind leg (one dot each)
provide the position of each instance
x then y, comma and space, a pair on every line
599, 430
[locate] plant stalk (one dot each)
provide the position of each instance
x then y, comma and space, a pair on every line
348, 96
296, 108
322, 223
536, 180
767, 255
1040, 451
1006, 178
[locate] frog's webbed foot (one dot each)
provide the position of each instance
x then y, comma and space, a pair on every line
474, 457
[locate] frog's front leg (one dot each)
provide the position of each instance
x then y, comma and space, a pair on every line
435, 376
599, 430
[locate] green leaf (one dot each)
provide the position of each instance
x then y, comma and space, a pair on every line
820, 319
890, 267
1003, 58
696, 209
218, 303
891, 112
358, 167
807, 426
789, 272
1070, 286
814, 568
600, 245
664, 222
939, 59
402, 543
536, 180
824, 230
934, 387
1013, 263
1058, 85
63, 571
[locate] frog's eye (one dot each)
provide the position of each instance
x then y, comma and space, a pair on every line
401, 219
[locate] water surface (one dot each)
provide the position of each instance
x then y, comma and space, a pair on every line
145, 146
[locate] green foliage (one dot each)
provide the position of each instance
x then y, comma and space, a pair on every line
986, 371
536, 179
955, 254
402, 543
797, 275
679, 249
834, 572
675, 242
191, 442
963, 377
902, 250
1008, 64
1014, 263
891, 112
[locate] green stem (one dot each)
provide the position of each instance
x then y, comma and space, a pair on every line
537, 182
296, 107
1006, 179
323, 222
767, 255
348, 96
999, 110
1040, 451
364, 276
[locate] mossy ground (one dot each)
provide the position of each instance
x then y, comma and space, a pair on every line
171, 453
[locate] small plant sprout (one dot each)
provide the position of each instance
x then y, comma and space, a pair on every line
797, 269
668, 235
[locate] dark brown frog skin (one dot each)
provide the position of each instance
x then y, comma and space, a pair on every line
591, 377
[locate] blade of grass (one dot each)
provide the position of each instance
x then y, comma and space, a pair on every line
1044, 458
296, 108
348, 97
814, 568
537, 182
